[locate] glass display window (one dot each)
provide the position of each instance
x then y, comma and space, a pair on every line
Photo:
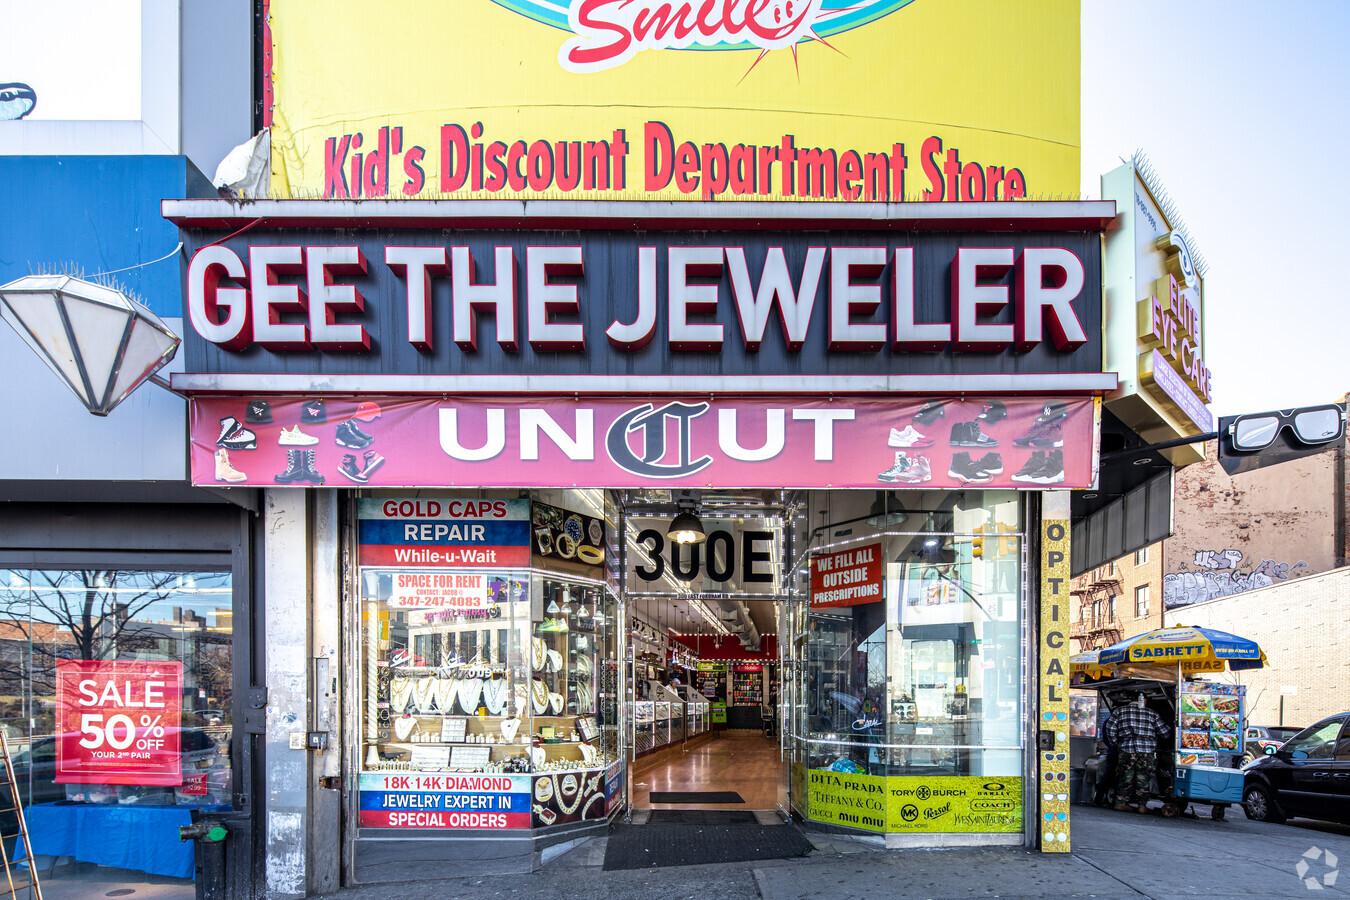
505, 682
116, 711
907, 635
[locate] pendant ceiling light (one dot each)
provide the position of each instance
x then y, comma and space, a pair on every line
99, 341
686, 528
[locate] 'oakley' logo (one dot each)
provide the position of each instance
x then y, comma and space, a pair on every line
652, 423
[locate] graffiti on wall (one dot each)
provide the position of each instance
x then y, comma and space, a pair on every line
1221, 573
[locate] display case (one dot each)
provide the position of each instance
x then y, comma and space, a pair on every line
644, 726
696, 719
489, 672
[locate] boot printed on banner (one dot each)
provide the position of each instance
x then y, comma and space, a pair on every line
299, 468
225, 471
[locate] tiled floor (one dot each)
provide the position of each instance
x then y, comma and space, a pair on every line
741, 761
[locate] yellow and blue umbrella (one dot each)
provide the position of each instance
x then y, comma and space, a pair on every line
1088, 663
1185, 644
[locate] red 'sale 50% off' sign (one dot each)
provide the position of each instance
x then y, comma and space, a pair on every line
118, 722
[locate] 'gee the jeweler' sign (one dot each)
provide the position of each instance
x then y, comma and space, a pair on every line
631, 303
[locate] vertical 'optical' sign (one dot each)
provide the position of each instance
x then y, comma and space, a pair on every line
1054, 699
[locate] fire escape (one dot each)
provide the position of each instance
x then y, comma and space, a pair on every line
1097, 625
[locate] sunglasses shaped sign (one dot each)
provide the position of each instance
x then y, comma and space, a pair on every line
1254, 440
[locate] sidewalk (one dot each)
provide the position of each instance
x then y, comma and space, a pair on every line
1116, 855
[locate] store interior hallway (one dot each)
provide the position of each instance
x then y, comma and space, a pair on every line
746, 762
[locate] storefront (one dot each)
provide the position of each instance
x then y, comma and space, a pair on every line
499, 415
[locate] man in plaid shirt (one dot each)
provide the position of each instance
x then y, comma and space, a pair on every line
1135, 730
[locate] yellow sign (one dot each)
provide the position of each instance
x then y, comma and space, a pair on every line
977, 804
940, 804
653, 99
844, 798
1054, 680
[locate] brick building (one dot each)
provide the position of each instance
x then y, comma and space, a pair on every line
1264, 554
1117, 600
1301, 625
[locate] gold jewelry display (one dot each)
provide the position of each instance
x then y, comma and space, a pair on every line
538, 653
423, 692
543, 788
554, 663
556, 702
539, 697
400, 691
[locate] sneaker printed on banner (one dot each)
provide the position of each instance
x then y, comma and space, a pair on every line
1047, 430
929, 413
347, 435
373, 462
894, 473
352, 470
968, 471
919, 471
234, 436
968, 434
909, 438
294, 437
1044, 435
1044, 467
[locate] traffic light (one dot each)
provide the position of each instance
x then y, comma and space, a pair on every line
977, 543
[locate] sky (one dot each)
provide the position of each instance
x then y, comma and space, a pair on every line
1241, 108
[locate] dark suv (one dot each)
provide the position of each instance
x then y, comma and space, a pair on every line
1308, 775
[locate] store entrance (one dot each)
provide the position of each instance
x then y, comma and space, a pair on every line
704, 659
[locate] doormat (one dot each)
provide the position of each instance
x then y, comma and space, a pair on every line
701, 817
667, 846
696, 797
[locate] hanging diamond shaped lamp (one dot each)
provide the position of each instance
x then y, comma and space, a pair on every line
98, 340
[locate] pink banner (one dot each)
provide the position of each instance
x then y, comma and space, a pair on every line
550, 441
